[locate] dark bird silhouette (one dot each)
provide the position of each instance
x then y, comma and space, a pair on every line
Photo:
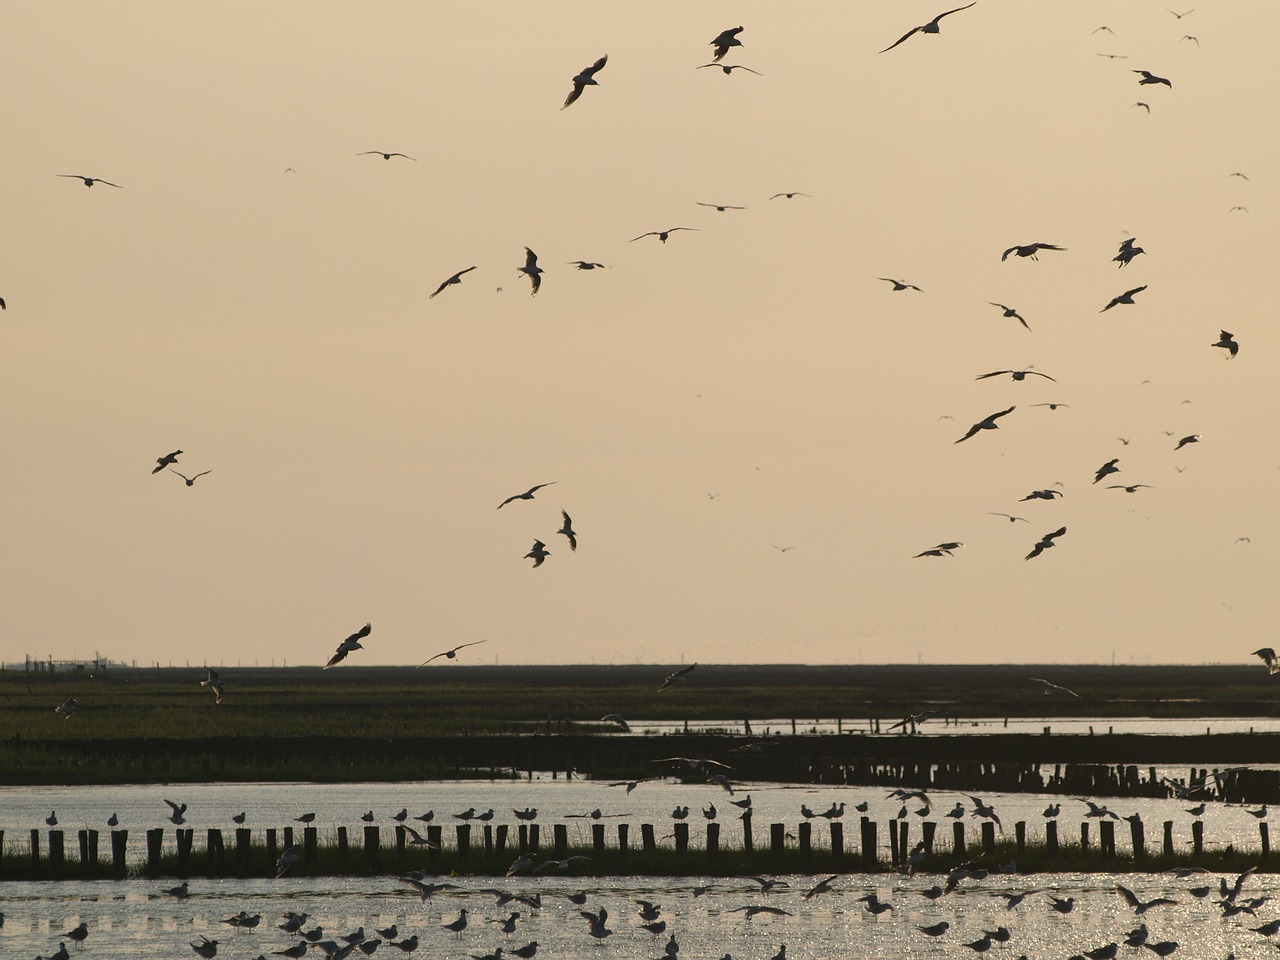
1015, 374
191, 481
532, 270
728, 68
1011, 518
1190, 438
166, 460
1145, 106
1045, 543
585, 264
537, 553
931, 27
384, 155
1046, 494
1130, 488
451, 654
1126, 297
660, 234
1128, 249
1228, 343
902, 284
567, 529
988, 423
722, 207
585, 78
680, 676
723, 42
1107, 468
346, 646
793, 193
1187, 36
1029, 250
1140, 906
90, 181
527, 495
1178, 15
456, 278
1148, 78
1010, 312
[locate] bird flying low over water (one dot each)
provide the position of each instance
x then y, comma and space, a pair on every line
679, 676
585, 78
1045, 543
931, 27
1126, 297
567, 529
1149, 77
989, 423
451, 654
537, 553
1029, 250
625, 728
1010, 312
165, 461
346, 646
724, 41
456, 278
527, 495
660, 234
1228, 343
531, 270
728, 68
1015, 374
384, 155
1049, 686
90, 181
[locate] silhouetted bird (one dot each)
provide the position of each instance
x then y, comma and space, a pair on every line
1029, 250
989, 423
585, 78
456, 278
931, 27
724, 41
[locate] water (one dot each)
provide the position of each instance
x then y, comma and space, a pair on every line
936, 727
133, 919
277, 804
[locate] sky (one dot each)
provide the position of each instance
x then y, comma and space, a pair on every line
257, 294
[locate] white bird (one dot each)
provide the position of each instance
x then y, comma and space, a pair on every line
176, 810
1050, 687
418, 840
622, 725
678, 677
214, 683
1268, 656
67, 708
450, 654
287, 859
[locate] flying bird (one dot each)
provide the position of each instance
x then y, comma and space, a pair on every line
1045, 543
1190, 438
537, 553
346, 646
191, 481
1049, 686
1228, 343
931, 27
1145, 106
625, 728
1128, 249
1148, 78
67, 708
166, 460
1016, 374
451, 654
214, 683
660, 234
1268, 656
902, 284
531, 270
1126, 297
1107, 468
1011, 518
456, 278
384, 155
1046, 494
567, 529
1010, 312
527, 495
728, 68
722, 207
793, 193
1029, 250
1178, 15
1140, 906
90, 181
680, 676
988, 423
724, 41
586, 78
176, 810
585, 264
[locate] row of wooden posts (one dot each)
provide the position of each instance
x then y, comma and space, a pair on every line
495, 841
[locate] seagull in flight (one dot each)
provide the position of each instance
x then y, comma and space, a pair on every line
728, 68
660, 234
1268, 656
567, 529
67, 708
1190, 438
451, 654
625, 728
902, 284
1180, 15
793, 193
1029, 250
585, 264
1228, 343
931, 27
1018, 375
678, 677
1046, 494
456, 278
1010, 312
537, 553
1148, 77
724, 41
346, 646
176, 812
1010, 516
527, 495
90, 181
384, 155
191, 481
722, 207
1049, 686
214, 683
1145, 106
1130, 488
531, 270
1128, 249
1126, 297
989, 423
1107, 468
1045, 543
586, 78
166, 460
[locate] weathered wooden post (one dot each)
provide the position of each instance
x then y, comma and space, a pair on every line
988, 837
35, 852
837, 841
435, 839
119, 854
343, 845
682, 837
870, 843
927, 830
1168, 838
185, 838
1084, 836
713, 838
371, 844
309, 844
1020, 836
488, 839
522, 838
597, 841
288, 837
561, 838
213, 853
904, 846
1264, 834
895, 856
402, 838
647, 842
957, 838
155, 842
463, 831
273, 847
1138, 831
806, 839
533, 836
55, 850
622, 838
747, 844
777, 842
500, 839
1107, 837
1051, 837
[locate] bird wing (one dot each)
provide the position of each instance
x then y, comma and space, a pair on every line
1039, 374
575, 93
198, 475
117, 186
935, 20
1129, 896
1004, 256
441, 287
900, 39
993, 373
339, 655
360, 634
1130, 293
651, 233
598, 65
972, 430
530, 259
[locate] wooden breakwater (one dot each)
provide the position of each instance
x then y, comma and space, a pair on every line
863, 845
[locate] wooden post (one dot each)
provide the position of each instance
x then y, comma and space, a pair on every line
647, 843
895, 856
343, 846
401, 839
214, 855
957, 838
870, 843
56, 839
155, 842
988, 837
904, 847
561, 834
682, 837
1020, 836
927, 829
1197, 837
243, 838
372, 844
1051, 837
1, 847
837, 841
119, 854
273, 848
622, 839
597, 841
488, 839
522, 838
1264, 834
185, 838
308, 845
777, 842
747, 844
1107, 837
1084, 835
1168, 838
533, 836
463, 831
435, 836
288, 837
806, 841
1138, 831
500, 839
713, 838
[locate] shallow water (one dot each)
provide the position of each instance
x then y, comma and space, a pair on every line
133, 919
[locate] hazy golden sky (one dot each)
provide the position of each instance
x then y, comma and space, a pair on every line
276, 327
